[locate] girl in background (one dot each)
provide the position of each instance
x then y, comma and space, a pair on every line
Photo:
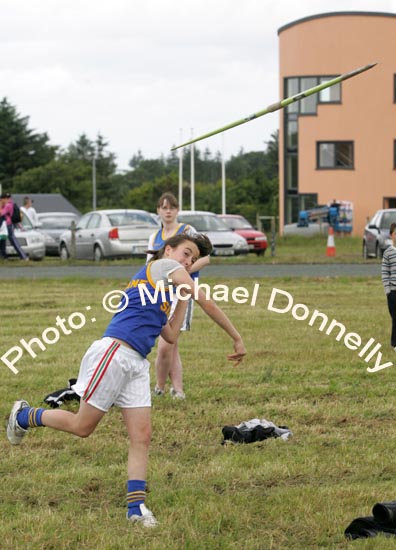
168, 362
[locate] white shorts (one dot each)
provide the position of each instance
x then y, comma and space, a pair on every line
113, 374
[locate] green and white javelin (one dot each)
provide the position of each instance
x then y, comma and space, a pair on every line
281, 104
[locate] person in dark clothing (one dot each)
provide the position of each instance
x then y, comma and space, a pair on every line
6, 211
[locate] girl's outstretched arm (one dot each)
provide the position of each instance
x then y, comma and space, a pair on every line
181, 277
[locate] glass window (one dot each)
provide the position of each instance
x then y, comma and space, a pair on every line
82, 224
308, 105
94, 222
387, 219
338, 154
131, 217
292, 172
308, 201
292, 135
329, 95
394, 154
58, 221
292, 209
394, 88
292, 88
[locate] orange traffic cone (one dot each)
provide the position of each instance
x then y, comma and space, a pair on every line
331, 250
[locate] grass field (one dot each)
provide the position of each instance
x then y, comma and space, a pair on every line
58, 491
290, 249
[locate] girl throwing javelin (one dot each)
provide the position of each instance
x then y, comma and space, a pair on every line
115, 371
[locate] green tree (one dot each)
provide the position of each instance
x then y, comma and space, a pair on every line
21, 148
71, 178
70, 174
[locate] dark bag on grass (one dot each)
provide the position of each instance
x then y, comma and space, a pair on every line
383, 521
16, 214
254, 430
57, 398
236, 435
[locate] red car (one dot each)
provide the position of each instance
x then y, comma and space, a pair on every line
256, 240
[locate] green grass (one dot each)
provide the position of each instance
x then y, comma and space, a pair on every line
58, 491
290, 249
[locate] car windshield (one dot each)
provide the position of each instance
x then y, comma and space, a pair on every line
203, 222
118, 219
237, 223
56, 222
387, 219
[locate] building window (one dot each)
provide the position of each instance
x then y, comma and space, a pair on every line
308, 201
334, 155
394, 154
329, 95
292, 172
292, 209
394, 88
308, 106
292, 135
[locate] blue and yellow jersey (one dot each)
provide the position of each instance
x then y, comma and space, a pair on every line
139, 325
159, 239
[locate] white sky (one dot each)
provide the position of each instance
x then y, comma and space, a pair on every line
139, 71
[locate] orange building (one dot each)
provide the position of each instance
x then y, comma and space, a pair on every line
341, 143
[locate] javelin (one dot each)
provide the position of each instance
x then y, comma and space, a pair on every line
281, 104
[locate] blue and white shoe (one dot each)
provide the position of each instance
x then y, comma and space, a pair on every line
147, 518
15, 433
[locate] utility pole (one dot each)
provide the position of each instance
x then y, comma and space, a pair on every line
192, 174
181, 173
94, 180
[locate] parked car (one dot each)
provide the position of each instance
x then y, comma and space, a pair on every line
31, 240
109, 234
256, 240
52, 225
225, 242
155, 217
376, 233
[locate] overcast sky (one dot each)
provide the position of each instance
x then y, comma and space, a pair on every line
140, 71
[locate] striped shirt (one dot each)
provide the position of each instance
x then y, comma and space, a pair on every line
388, 269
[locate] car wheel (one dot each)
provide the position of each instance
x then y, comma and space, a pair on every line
63, 253
98, 254
365, 253
260, 252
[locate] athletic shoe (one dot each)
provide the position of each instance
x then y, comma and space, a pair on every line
177, 394
158, 392
147, 518
15, 433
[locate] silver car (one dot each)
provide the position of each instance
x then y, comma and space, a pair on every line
376, 233
52, 225
225, 242
31, 240
109, 234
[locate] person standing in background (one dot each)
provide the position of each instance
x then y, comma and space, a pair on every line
6, 212
388, 276
168, 361
28, 209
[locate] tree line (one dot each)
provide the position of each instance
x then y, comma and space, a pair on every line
30, 163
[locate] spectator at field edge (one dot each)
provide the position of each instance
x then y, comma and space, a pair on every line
7, 209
